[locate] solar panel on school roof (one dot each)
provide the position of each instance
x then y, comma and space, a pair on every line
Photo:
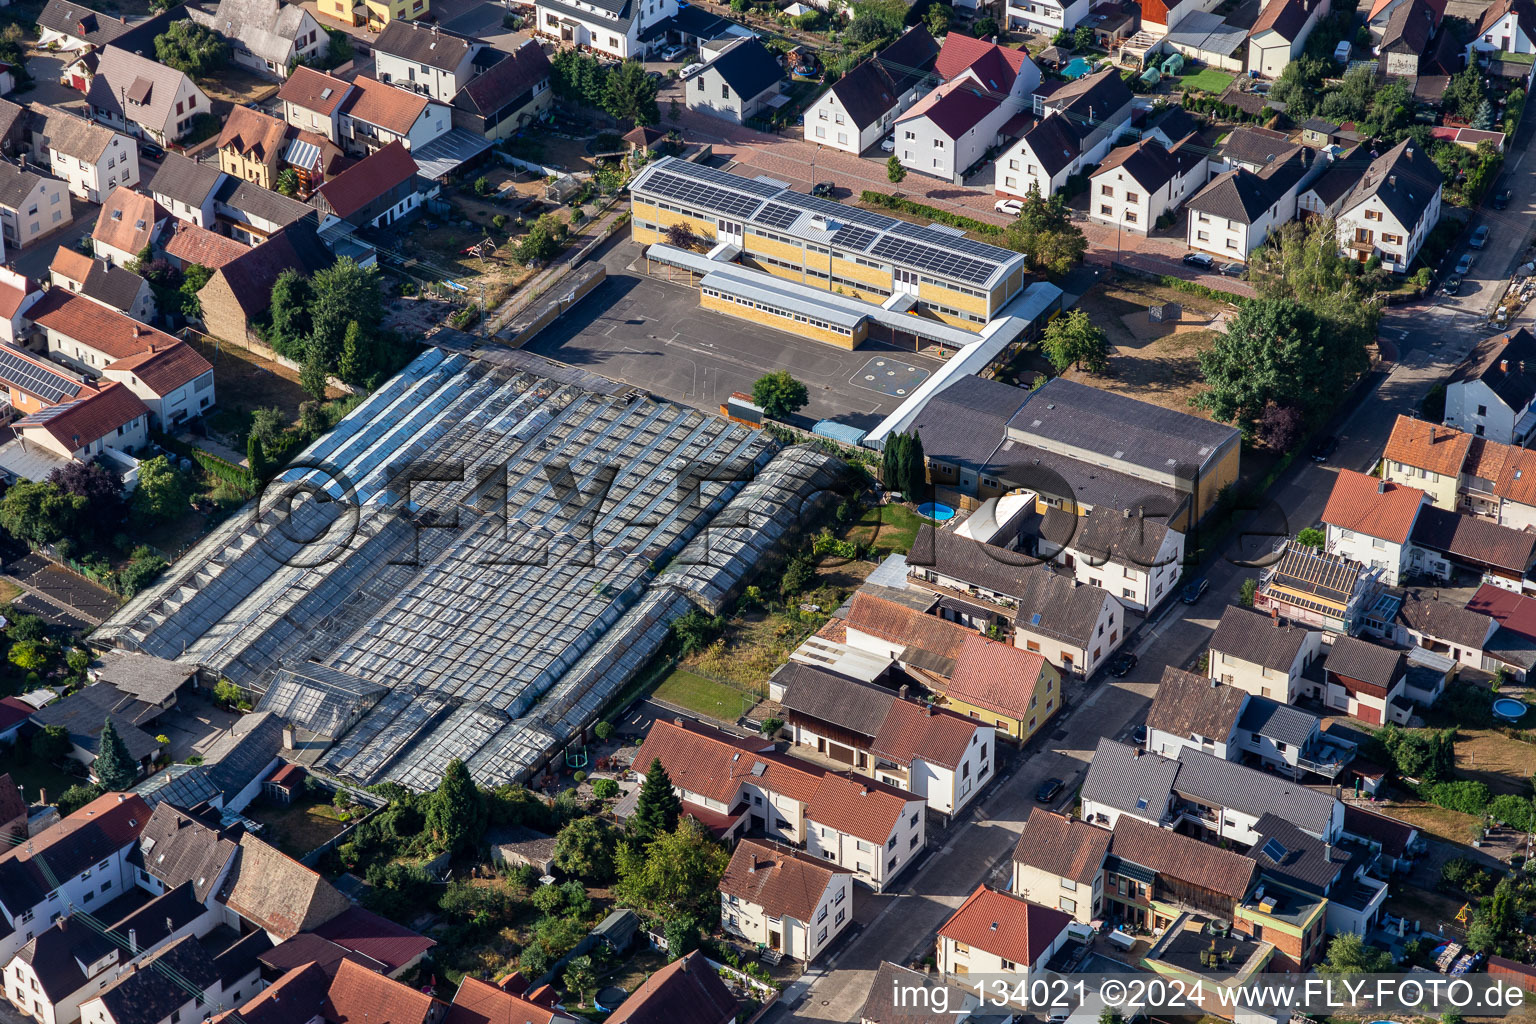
776, 215
720, 200
928, 257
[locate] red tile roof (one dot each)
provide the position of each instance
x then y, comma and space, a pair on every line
860, 807
778, 878
960, 52
906, 626
714, 764
100, 828
1428, 446
1515, 612
1393, 835
365, 932
253, 134
392, 109
954, 108
1364, 504
1012, 928
307, 87
995, 677
127, 220
359, 996
1516, 481
479, 1002
71, 264
192, 244
913, 730
297, 994
13, 711
163, 370
105, 330
368, 179
1058, 845
83, 421
686, 991
11, 299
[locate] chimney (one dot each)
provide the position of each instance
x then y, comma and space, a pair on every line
287, 737
901, 691
1431, 433
1381, 486
1392, 180
121, 797
133, 941
1126, 513
1503, 365
42, 795
932, 710
1135, 751
752, 864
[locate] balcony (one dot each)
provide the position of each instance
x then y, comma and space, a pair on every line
1360, 245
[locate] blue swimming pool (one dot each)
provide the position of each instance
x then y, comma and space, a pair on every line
937, 511
1077, 67
1509, 709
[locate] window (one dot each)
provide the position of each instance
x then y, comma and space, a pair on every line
910, 136
1202, 236
821, 132
1106, 210
1373, 215
1068, 905
821, 915
1130, 216
1231, 243
938, 143
822, 936
1013, 165
1133, 197
1482, 410
839, 918
1106, 190
1069, 884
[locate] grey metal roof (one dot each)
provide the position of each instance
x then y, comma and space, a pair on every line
1220, 783
1130, 779
185, 180
1065, 413
1254, 636
1017, 464
966, 422
1274, 720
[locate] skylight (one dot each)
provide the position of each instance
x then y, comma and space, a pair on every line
1274, 850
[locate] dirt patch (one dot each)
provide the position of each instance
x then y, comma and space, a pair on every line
1498, 761
260, 383
1432, 910
237, 86
1151, 361
1452, 826
300, 827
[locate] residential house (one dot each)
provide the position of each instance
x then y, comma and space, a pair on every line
88, 336
1404, 40
686, 989
1334, 871
1319, 589
1507, 26
251, 146
900, 995
312, 101
865, 825
1513, 644
185, 244
1124, 780
177, 849
1288, 740
1193, 711
1252, 148
375, 114
1382, 11
985, 87
128, 223
781, 899
175, 382
1366, 680
1010, 687
1443, 541
1443, 627
1371, 521
860, 107
1079, 122
32, 206
381, 189
427, 59
1236, 211
114, 288
1137, 185
214, 977
241, 290
939, 755
1160, 17
1396, 842
17, 294
738, 84
73, 26
617, 29
1281, 33
83, 713
1265, 655
1393, 208
1152, 873
375, 15
70, 963
143, 97
270, 890
507, 95
1136, 558
13, 714
93, 159
42, 879
1059, 861
1491, 392
1324, 196
352, 993
314, 159
14, 127
1047, 16
478, 1002
267, 36
362, 933
994, 933
185, 189
80, 429
253, 215
1461, 472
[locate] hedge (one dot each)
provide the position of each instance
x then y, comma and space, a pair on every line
1465, 796
1517, 811
225, 470
954, 220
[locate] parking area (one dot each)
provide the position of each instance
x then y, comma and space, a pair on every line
652, 334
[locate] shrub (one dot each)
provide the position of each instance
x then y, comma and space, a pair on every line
605, 789
580, 777
603, 730
499, 222
482, 186
1513, 810
1466, 796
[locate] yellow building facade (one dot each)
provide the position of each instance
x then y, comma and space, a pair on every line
1019, 725
374, 14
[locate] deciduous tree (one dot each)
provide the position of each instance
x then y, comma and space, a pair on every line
585, 849
162, 491
780, 394
677, 873
190, 48
1075, 340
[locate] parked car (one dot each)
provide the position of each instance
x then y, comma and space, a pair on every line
824, 189
1048, 790
1501, 198
692, 69
1122, 665
888, 144
1194, 590
1199, 259
1452, 286
1323, 450
1464, 264
1233, 269
150, 151
674, 51
1479, 237
1012, 207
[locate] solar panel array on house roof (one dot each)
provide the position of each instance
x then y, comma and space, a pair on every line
941, 253
480, 576
28, 376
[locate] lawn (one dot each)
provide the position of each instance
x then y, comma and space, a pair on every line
696, 693
1490, 757
9, 591
259, 383
34, 774
1452, 826
888, 529
1205, 80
